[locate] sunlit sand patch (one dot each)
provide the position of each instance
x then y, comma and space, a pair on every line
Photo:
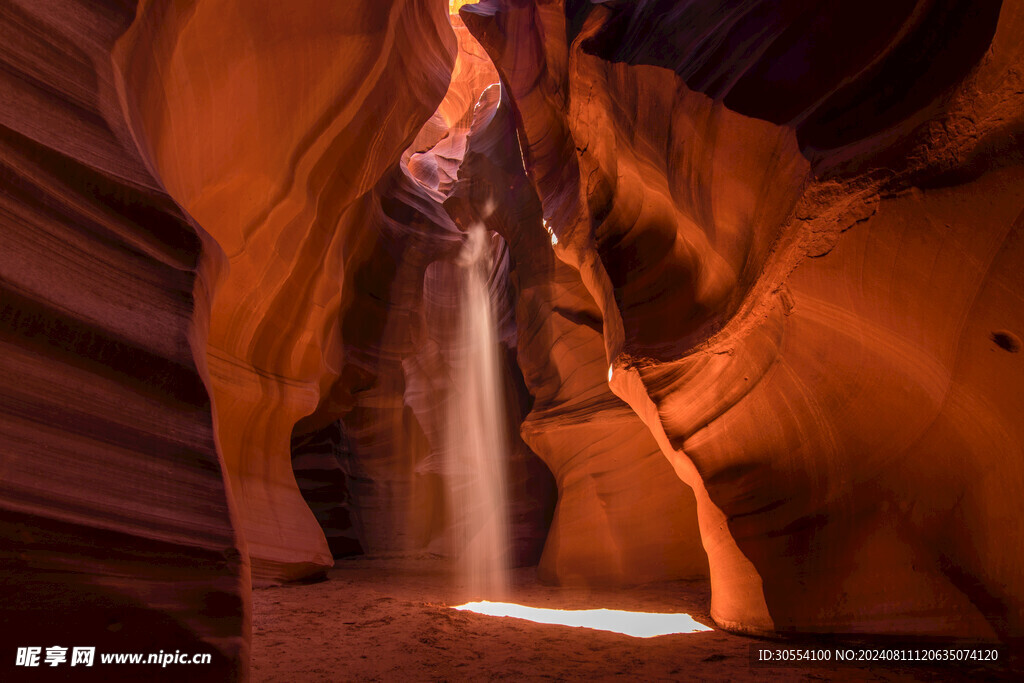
636, 624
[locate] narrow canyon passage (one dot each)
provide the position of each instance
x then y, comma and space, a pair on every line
319, 319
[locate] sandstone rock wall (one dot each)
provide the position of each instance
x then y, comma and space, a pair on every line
272, 124
800, 253
759, 274
622, 516
115, 514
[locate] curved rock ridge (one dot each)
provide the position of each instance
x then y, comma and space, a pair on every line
603, 458
839, 75
318, 460
275, 136
815, 320
394, 392
472, 73
398, 505
756, 272
115, 514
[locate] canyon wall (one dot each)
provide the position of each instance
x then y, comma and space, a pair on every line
758, 288
622, 516
190, 192
394, 394
278, 126
800, 240
115, 515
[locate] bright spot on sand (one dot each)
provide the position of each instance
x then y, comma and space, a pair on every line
636, 624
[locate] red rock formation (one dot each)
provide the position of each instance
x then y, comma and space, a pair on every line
603, 458
396, 396
274, 141
759, 270
274, 136
318, 460
805, 310
393, 391
114, 510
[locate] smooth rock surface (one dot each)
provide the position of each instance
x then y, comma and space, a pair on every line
803, 279
115, 513
622, 517
274, 135
756, 271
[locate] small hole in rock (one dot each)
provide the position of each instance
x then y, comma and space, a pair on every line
1007, 341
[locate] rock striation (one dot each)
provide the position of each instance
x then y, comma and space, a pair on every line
115, 513
603, 458
802, 272
280, 137
756, 271
318, 460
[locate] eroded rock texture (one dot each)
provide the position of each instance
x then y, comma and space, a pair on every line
318, 460
757, 282
802, 242
603, 458
397, 392
279, 136
114, 511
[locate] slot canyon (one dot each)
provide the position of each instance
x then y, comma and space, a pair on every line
316, 316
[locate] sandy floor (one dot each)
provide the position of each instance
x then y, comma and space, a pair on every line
377, 620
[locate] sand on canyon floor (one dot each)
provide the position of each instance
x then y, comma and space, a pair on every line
391, 620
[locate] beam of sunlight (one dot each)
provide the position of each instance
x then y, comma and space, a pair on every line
636, 624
